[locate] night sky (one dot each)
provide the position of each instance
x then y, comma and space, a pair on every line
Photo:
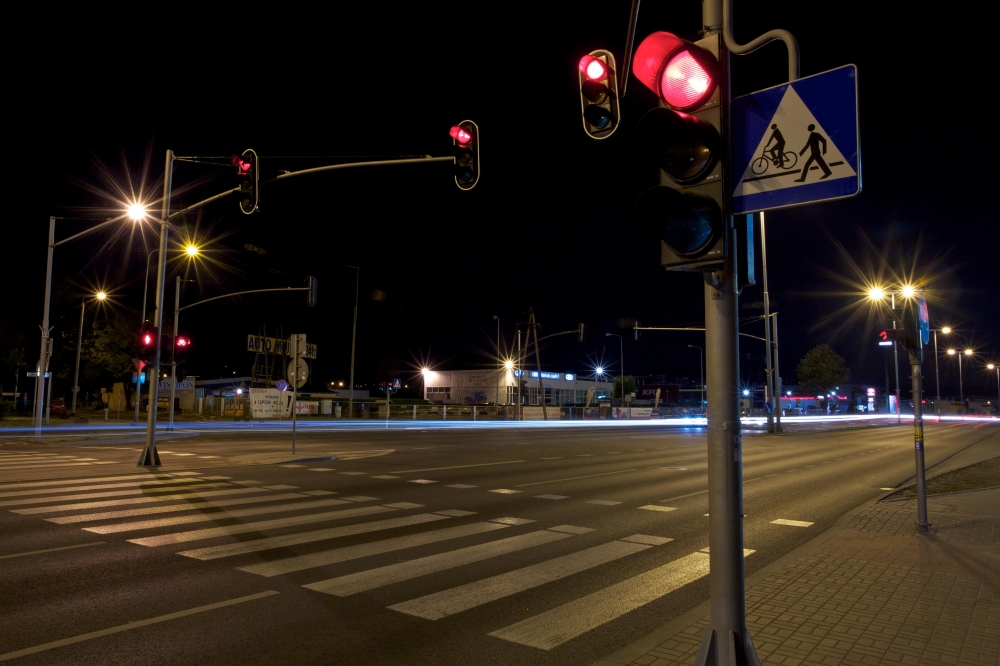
549, 225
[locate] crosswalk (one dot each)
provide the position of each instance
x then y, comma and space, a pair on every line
211, 517
17, 461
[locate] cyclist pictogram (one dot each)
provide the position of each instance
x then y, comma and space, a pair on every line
775, 148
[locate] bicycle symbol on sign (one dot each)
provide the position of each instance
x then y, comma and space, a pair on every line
774, 153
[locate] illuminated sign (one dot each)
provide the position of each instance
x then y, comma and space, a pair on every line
546, 375
871, 391
885, 343
570, 376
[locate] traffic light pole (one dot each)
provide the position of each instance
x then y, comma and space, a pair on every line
771, 383
918, 440
173, 348
149, 456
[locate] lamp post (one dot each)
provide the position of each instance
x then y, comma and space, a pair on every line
996, 367
499, 364
354, 333
99, 296
621, 349
701, 365
961, 390
937, 379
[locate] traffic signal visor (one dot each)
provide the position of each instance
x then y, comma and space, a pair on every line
465, 137
599, 94
683, 75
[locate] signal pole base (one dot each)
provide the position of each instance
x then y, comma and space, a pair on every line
730, 651
149, 457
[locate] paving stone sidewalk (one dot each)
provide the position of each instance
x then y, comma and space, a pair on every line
876, 591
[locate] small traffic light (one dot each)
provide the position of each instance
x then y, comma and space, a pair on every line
312, 289
147, 342
465, 137
684, 137
248, 171
581, 333
182, 345
599, 94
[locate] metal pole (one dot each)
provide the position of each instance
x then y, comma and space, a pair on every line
777, 377
79, 346
138, 382
43, 354
520, 366
937, 376
918, 441
726, 639
173, 347
538, 364
895, 356
767, 329
961, 390
499, 366
354, 331
149, 456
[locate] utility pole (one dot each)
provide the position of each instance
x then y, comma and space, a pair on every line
771, 381
354, 333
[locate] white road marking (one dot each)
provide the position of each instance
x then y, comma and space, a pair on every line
206, 517
133, 625
169, 508
106, 486
886, 488
213, 532
290, 564
243, 547
7, 468
290, 466
647, 539
421, 481
671, 499
133, 500
552, 497
554, 627
503, 491
603, 502
511, 521
51, 550
574, 478
435, 469
462, 598
791, 523
657, 507
395, 573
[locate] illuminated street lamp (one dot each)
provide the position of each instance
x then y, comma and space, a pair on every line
995, 367
961, 391
876, 294
946, 330
99, 297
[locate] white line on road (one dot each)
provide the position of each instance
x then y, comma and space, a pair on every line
395, 573
657, 507
133, 500
94, 479
435, 469
134, 625
229, 549
791, 523
169, 508
290, 564
114, 493
51, 550
458, 599
127, 484
574, 478
213, 532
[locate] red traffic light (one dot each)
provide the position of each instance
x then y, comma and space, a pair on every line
683, 75
593, 69
147, 339
243, 166
883, 335
183, 342
461, 135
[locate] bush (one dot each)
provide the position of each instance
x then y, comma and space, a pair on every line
6, 409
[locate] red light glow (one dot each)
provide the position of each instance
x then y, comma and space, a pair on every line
182, 342
147, 339
684, 81
460, 135
242, 166
593, 68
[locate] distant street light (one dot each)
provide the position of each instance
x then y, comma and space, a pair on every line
961, 390
937, 379
877, 294
99, 296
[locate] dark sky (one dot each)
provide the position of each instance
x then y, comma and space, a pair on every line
549, 225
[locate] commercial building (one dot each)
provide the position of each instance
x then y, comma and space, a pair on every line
499, 386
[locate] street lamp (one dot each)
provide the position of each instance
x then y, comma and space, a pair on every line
701, 365
877, 294
621, 349
99, 296
499, 364
354, 334
996, 367
937, 380
961, 390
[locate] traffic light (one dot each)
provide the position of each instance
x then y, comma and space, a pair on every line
599, 94
147, 342
312, 289
182, 345
248, 170
684, 137
581, 333
465, 137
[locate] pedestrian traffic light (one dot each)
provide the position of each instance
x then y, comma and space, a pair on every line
465, 137
599, 94
312, 289
147, 342
248, 171
684, 137
182, 345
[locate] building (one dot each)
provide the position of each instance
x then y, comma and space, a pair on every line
480, 387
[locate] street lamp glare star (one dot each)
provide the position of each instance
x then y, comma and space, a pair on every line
509, 365
191, 250
908, 291
100, 295
968, 352
946, 330
876, 294
599, 370
951, 352
136, 212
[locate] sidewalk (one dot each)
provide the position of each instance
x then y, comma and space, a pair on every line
871, 590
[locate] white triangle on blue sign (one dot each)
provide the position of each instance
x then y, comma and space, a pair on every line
803, 146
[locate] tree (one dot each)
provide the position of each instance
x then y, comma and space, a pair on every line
822, 369
629, 385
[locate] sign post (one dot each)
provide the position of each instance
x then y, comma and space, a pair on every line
298, 372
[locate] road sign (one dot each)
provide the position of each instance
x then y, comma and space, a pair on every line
281, 385
396, 384
298, 372
797, 143
924, 319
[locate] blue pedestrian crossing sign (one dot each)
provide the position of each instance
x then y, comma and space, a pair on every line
797, 143
396, 384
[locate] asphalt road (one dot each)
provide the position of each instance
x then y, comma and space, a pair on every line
419, 546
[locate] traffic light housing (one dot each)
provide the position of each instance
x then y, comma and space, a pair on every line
182, 345
147, 342
465, 138
599, 94
685, 137
312, 290
248, 171
581, 332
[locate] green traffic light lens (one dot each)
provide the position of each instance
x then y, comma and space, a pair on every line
597, 116
688, 222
